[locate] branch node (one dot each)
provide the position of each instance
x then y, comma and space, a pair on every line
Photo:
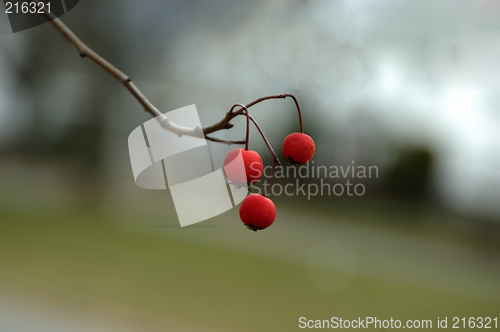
229, 125
83, 53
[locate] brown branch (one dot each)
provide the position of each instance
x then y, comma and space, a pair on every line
247, 115
225, 123
275, 157
218, 140
231, 114
85, 51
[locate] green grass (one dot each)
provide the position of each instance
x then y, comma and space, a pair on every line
74, 257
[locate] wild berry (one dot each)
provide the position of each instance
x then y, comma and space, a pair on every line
298, 148
257, 212
252, 171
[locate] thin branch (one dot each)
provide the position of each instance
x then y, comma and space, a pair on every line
275, 157
85, 51
218, 140
247, 115
231, 114
223, 124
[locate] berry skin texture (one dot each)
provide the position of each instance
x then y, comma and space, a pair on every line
298, 148
257, 212
253, 167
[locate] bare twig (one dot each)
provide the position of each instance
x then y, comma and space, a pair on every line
247, 115
218, 140
85, 51
223, 124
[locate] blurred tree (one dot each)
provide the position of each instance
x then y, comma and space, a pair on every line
409, 175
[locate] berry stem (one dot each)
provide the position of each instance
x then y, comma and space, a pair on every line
276, 161
275, 157
249, 117
247, 138
223, 124
282, 96
269, 180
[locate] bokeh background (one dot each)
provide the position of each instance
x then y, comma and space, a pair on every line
412, 87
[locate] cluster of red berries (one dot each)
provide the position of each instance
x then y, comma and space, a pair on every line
258, 212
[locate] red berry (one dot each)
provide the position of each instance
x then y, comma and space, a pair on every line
257, 212
236, 174
298, 148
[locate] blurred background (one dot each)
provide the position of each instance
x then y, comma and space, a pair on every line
412, 87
